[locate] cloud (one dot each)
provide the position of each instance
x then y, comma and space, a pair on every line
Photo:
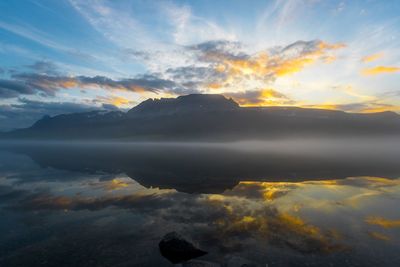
221, 64
31, 33
371, 58
361, 107
13, 88
113, 101
258, 70
44, 67
115, 24
189, 28
42, 38
260, 98
32, 83
380, 70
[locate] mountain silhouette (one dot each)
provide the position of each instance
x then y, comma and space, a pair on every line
208, 117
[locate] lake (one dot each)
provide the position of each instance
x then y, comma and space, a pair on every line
280, 203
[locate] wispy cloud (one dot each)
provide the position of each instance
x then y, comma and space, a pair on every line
371, 58
380, 70
189, 28
33, 34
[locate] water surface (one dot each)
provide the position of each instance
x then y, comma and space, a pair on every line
110, 204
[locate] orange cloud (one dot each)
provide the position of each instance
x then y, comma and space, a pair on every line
264, 97
119, 101
372, 57
241, 70
280, 64
380, 70
214, 85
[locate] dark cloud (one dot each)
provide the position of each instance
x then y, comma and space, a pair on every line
44, 67
13, 88
191, 73
221, 48
34, 83
137, 54
194, 78
391, 94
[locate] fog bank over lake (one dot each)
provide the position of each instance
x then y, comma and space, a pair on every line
214, 167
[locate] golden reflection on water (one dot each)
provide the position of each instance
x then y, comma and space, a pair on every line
318, 217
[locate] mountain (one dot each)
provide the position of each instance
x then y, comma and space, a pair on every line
208, 117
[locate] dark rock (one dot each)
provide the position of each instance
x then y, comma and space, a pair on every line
177, 250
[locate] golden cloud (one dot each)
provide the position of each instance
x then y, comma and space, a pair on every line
264, 97
276, 65
380, 70
119, 101
372, 57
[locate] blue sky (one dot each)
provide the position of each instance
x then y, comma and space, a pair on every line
70, 55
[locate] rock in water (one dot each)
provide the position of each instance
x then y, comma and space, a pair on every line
177, 250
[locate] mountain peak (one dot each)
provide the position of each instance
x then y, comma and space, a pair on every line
186, 103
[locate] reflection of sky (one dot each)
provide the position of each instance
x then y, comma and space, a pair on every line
77, 218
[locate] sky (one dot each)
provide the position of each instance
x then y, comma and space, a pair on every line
73, 55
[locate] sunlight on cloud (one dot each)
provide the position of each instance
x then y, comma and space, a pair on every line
372, 57
380, 70
236, 70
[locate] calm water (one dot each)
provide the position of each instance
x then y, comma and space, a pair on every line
281, 205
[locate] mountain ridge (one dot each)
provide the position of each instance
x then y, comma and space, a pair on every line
208, 116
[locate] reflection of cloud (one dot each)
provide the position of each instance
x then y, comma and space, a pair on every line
379, 236
259, 221
380, 221
263, 190
116, 184
250, 214
380, 70
226, 215
369, 182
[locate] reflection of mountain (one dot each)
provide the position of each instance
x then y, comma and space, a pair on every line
208, 169
212, 117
